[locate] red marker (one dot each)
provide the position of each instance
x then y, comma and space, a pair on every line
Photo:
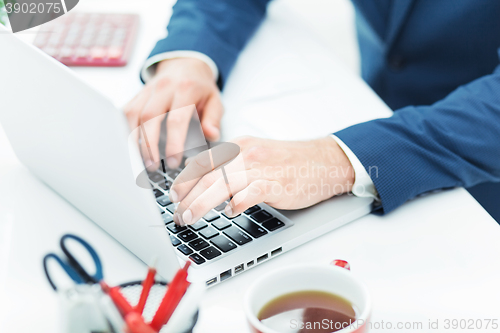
121, 303
176, 290
146, 287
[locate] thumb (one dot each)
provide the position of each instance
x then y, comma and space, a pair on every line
211, 116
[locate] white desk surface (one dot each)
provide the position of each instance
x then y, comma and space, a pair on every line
434, 258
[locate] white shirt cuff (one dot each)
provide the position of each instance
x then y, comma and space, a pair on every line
149, 68
363, 185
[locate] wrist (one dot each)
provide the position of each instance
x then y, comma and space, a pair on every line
185, 64
341, 173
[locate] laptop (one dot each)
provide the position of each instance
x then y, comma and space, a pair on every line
76, 141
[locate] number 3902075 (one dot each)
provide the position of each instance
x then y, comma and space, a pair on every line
33, 8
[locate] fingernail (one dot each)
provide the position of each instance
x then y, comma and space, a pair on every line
173, 196
172, 162
228, 210
187, 216
216, 132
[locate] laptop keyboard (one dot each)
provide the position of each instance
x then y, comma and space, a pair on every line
214, 235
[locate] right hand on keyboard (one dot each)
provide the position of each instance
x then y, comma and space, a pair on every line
177, 83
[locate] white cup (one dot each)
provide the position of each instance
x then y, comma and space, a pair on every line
335, 279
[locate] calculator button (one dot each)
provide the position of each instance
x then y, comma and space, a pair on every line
82, 52
273, 224
253, 229
197, 259
184, 249
210, 253
198, 244
115, 53
51, 51
237, 235
66, 52
208, 232
97, 52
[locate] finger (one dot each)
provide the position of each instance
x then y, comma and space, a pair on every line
132, 112
258, 191
150, 121
178, 118
150, 136
212, 114
204, 163
208, 194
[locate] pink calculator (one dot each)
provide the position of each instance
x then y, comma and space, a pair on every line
89, 39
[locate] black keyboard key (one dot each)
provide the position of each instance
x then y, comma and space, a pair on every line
221, 207
171, 208
197, 259
253, 229
223, 244
261, 216
184, 249
174, 228
187, 236
162, 185
167, 218
155, 177
198, 225
198, 244
229, 216
208, 232
221, 223
174, 240
252, 210
210, 216
164, 200
173, 173
157, 192
210, 253
273, 224
237, 235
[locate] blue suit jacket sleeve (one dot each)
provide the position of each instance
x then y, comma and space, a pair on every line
217, 28
454, 142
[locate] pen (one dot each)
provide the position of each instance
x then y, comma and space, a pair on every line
177, 288
146, 287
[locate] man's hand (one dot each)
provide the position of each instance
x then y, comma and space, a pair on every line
177, 83
283, 174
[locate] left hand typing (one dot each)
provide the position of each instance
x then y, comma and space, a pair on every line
282, 174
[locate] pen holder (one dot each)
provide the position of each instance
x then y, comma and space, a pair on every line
185, 315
